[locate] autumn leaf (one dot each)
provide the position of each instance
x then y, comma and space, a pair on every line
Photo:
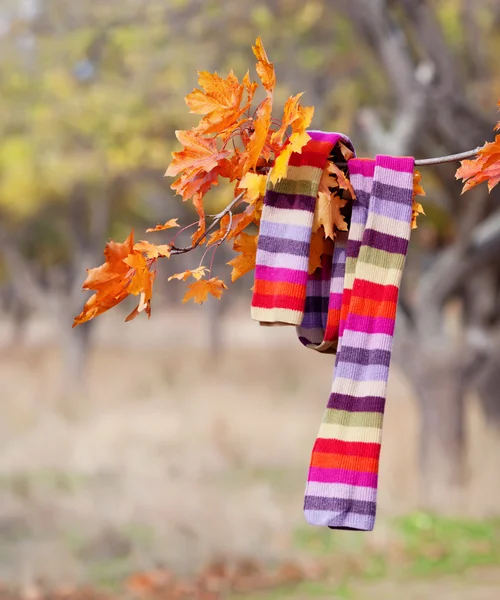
264, 68
319, 247
255, 186
485, 168
259, 136
347, 153
342, 180
168, 225
328, 205
152, 250
184, 276
295, 144
418, 190
220, 101
199, 290
198, 206
124, 272
244, 262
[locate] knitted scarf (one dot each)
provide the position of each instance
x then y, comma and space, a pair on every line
349, 307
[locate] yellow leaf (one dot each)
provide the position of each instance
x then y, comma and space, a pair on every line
295, 144
196, 273
244, 262
199, 291
264, 68
254, 184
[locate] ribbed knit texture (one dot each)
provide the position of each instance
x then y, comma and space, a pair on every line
281, 272
342, 483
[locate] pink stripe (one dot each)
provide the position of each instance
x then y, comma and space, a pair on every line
370, 324
280, 274
335, 301
342, 476
403, 164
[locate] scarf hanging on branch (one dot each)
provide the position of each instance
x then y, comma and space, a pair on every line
347, 306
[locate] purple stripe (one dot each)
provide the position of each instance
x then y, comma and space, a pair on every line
343, 476
340, 521
353, 404
357, 372
365, 357
276, 246
276, 274
394, 210
342, 505
393, 193
290, 201
300, 233
370, 324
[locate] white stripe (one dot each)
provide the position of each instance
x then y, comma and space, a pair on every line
282, 260
397, 178
360, 182
288, 216
379, 275
390, 226
358, 389
276, 315
368, 341
341, 490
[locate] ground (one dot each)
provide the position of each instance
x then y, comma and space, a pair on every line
174, 458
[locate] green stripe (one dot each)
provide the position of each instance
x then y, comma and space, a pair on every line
353, 419
381, 258
289, 186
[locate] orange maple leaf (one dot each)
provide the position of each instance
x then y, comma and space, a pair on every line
124, 272
261, 124
199, 290
244, 262
264, 68
220, 101
152, 250
184, 276
484, 168
168, 225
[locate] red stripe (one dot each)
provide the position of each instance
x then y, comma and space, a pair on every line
269, 301
364, 449
375, 291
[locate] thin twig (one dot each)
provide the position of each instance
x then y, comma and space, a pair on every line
217, 218
445, 159
229, 208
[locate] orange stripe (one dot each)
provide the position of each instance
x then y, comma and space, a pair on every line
372, 308
280, 288
341, 461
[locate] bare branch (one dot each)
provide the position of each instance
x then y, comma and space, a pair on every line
216, 220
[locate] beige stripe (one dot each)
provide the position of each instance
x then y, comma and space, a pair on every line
390, 226
333, 431
353, 419
356, 231
379, 275
288, 216
272, 315
359, 389
305, 173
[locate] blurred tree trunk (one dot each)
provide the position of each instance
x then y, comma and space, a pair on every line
430, 97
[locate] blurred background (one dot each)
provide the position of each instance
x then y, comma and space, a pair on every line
179, 446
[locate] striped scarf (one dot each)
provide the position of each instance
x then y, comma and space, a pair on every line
348, 306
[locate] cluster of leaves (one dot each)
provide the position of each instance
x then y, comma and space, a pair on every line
231, 142
484, 168
248, 148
